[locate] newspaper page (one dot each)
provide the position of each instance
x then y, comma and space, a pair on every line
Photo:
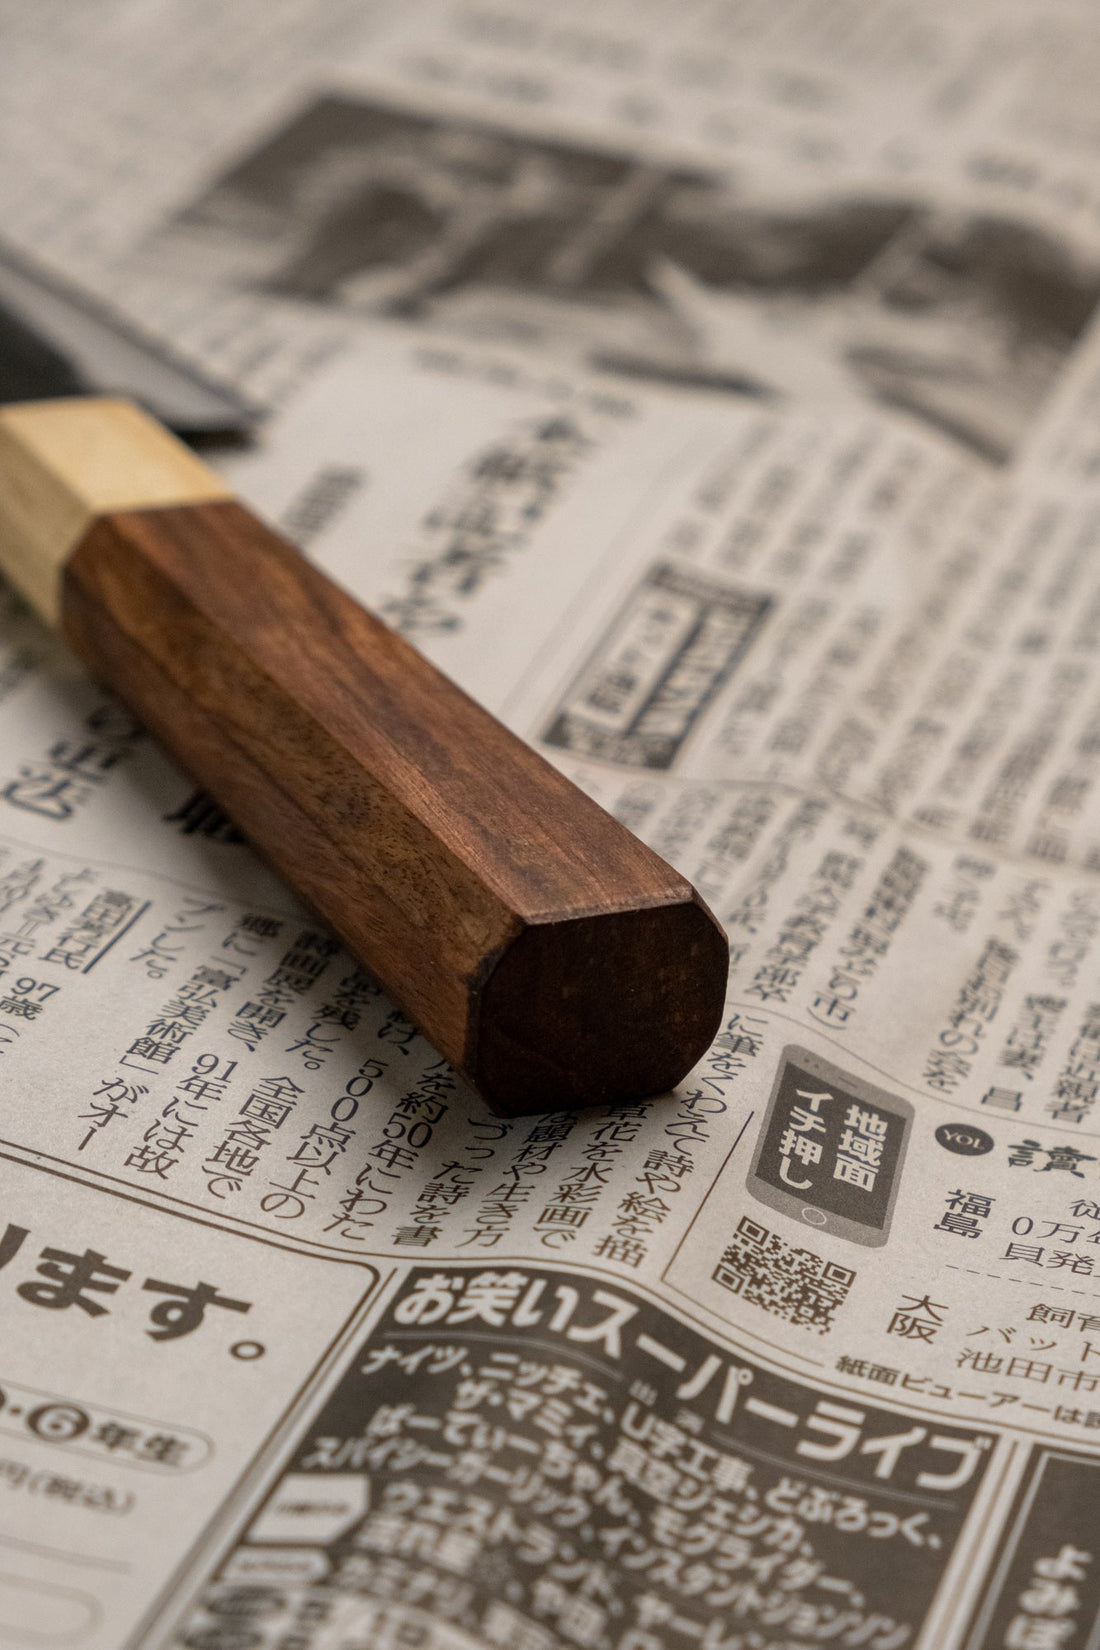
708, 390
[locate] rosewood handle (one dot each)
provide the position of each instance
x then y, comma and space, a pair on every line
541, 947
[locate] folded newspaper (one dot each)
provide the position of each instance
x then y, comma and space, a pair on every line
712, 389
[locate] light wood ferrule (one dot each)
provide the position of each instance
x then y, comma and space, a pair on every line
63, 463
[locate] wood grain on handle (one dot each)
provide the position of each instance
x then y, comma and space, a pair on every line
551, 956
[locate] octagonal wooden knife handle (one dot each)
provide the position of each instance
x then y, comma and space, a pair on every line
542, 948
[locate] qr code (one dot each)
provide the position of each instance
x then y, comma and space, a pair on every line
790, 1283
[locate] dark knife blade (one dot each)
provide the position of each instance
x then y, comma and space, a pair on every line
58, 341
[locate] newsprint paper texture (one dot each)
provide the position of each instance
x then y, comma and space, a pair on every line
712, 388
